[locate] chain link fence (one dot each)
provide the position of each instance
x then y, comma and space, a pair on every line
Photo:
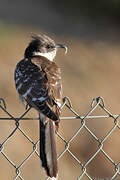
96, 103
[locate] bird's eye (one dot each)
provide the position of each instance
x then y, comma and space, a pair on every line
48, 46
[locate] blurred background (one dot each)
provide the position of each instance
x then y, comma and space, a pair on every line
91, 30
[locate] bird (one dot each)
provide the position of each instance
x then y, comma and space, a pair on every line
39, 85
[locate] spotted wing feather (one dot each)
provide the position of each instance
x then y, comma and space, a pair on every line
33, 86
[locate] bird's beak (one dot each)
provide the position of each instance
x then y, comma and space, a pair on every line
62, 46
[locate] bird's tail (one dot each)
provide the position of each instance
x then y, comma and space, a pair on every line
48, 154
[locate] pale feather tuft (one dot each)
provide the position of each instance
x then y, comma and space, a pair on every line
49, 55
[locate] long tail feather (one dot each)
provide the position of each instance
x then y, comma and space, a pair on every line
48, 154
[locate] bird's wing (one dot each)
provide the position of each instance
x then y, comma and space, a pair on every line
38, 82
53, 83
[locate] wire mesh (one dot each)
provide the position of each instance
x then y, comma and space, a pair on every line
96, 103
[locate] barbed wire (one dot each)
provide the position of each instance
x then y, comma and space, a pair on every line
96, 102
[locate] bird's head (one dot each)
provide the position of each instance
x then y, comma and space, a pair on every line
42, 45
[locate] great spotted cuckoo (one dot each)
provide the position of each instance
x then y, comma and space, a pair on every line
38, 82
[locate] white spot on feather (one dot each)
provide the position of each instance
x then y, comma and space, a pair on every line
54, 178
27, 92
39, 99
16, 81
20, 85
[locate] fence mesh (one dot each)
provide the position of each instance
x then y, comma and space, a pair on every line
96, 103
